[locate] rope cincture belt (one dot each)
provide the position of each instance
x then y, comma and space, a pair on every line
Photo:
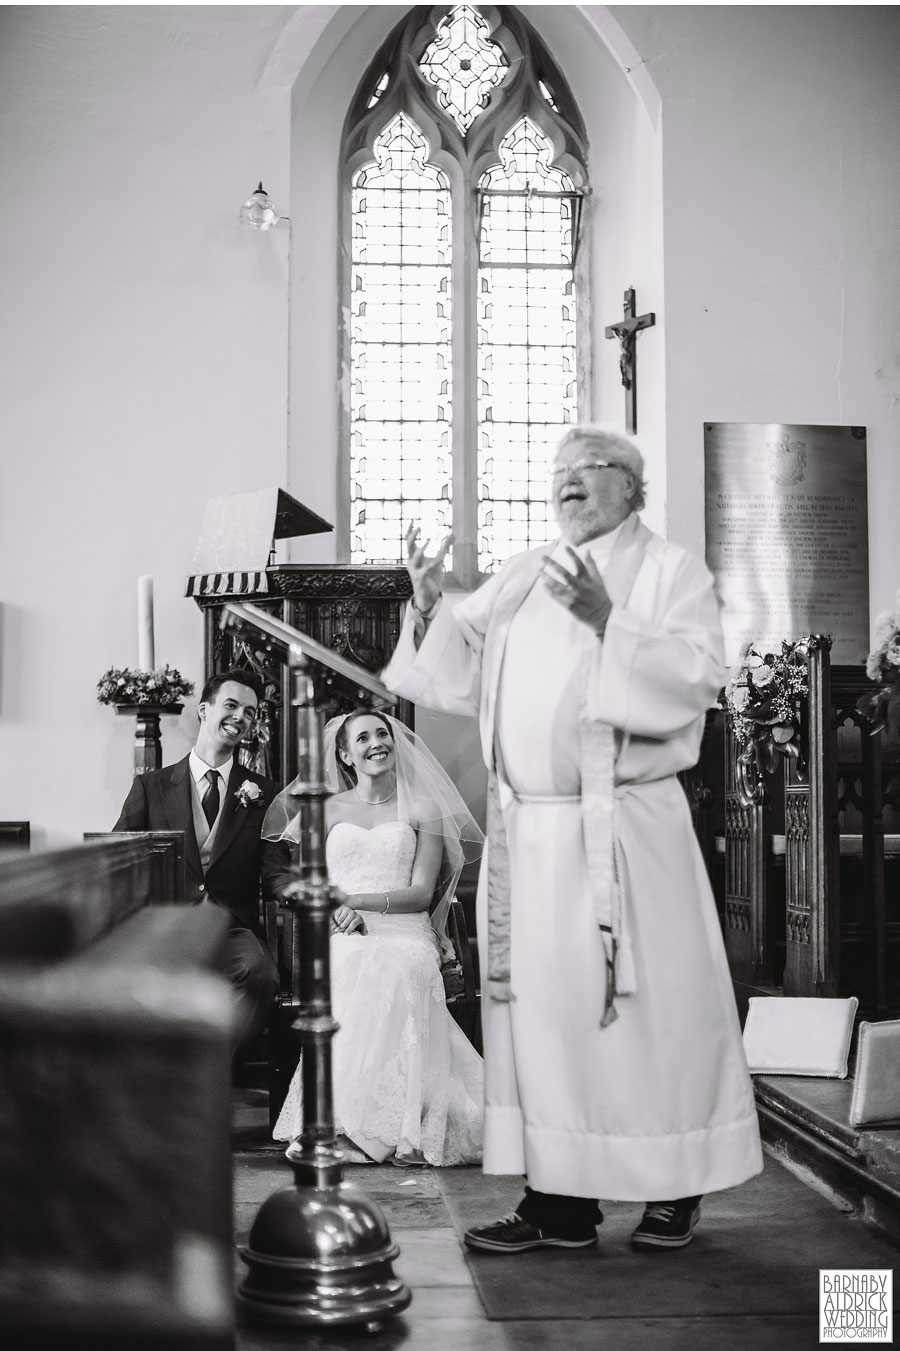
620, 975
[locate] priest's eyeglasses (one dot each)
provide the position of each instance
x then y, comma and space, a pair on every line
582, 467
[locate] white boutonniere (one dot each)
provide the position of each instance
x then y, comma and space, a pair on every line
248, 793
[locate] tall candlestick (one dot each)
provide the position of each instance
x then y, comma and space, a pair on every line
146, 654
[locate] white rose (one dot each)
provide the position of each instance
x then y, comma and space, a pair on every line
740, 697
762, 676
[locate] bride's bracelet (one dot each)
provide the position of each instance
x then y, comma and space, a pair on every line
387, 902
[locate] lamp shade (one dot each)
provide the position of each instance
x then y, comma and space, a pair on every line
258, 211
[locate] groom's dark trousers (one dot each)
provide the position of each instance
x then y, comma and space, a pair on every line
161, 800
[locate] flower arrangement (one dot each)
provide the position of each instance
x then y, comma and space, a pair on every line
761, 696
882, 707
164, 687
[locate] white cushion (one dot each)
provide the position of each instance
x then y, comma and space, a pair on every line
799, 1036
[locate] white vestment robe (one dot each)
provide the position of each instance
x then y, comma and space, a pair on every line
658, 1104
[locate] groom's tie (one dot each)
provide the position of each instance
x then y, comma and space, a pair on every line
211, 797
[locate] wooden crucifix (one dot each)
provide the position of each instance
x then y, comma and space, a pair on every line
626, 330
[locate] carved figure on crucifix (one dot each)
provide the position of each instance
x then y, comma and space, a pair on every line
626, 330
626, 356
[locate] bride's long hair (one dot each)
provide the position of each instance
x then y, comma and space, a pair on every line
426, 797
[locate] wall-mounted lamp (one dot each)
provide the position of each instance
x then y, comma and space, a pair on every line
258, 211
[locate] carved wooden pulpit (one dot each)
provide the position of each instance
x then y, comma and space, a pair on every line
356, 611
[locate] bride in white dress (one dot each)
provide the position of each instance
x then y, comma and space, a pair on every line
408, 1085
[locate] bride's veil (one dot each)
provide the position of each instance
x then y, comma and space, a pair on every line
426, 797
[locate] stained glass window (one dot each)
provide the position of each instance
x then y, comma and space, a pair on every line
526, 340
400, 389
462, 359
379, 89
463, 64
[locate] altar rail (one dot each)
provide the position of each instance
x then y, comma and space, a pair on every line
808, 874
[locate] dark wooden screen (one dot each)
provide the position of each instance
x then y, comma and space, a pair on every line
15, 834
811, 902
812, 960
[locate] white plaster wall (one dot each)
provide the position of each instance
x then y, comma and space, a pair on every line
143, 360
322, 96
145, 350
782, 267
625, 222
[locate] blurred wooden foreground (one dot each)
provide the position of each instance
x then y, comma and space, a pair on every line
115, 1167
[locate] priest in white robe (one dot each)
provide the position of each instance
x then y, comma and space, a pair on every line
613, 1054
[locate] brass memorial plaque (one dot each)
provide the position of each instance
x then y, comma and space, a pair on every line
787, 534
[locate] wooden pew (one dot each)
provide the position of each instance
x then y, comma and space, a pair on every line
115, 1166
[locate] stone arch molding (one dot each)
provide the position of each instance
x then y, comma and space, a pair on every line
313, 73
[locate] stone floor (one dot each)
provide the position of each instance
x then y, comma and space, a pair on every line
749, 1280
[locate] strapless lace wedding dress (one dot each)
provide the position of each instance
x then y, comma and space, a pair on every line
406, 1079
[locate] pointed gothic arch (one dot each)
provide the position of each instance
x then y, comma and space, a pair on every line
463, 180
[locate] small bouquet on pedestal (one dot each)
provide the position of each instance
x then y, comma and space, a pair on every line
762, 696
882, 707
127, 688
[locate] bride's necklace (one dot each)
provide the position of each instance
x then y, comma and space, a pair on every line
377, 801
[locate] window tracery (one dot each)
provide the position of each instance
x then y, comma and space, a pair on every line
463, 64
465, 172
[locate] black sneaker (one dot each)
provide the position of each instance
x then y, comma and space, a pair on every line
667, 1224
513, 1234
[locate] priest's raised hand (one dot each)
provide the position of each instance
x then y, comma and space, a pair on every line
582, 590
425, 573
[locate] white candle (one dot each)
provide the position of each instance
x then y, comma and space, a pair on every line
146, 655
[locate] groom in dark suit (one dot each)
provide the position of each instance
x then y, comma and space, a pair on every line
220, 806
